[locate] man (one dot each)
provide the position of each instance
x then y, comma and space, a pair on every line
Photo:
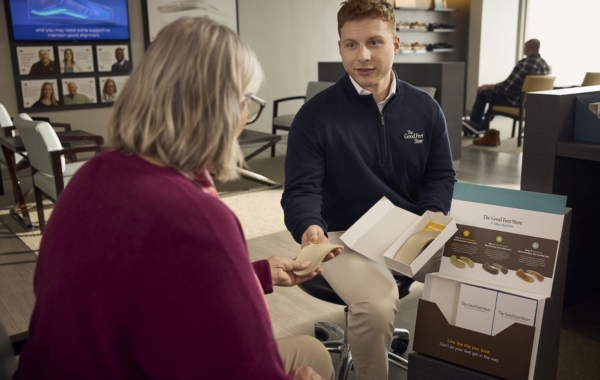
73, 97
122, 64
44, 66
506, 93
349, 146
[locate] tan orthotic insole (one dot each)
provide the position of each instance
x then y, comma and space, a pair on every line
414, 246
315, 253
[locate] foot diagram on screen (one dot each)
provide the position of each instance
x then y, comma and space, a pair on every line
187, 5
69, 9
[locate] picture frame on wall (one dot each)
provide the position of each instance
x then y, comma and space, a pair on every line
78, 91
159, 13
40, 94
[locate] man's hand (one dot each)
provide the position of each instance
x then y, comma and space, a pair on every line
304, 373
486, 87
314, 234
282, 271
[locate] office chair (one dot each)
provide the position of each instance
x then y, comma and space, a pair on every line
8, 131
284, 122
319, 288
46, 156
532, 83
591, 79
10, 348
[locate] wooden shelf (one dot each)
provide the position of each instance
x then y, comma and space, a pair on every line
447, 10
426, 52
581, 151
426, 31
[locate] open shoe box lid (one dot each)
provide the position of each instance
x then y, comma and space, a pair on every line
382, 230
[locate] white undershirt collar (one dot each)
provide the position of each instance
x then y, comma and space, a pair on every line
380, 105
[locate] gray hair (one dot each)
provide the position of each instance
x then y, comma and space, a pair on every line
181, 104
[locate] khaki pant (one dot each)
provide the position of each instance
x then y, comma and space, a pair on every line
370, 291
306, 351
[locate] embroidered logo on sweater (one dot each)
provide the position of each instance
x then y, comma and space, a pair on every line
416, 137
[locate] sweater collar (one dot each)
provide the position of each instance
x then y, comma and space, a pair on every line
353, 93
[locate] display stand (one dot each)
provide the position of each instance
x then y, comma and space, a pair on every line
546, 359
554, 163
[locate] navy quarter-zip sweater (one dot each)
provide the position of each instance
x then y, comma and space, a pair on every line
343, 155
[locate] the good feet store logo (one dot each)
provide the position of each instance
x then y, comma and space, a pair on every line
416, 137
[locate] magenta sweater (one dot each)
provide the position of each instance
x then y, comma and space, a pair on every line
141, 275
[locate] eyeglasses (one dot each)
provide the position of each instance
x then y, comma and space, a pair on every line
255, 108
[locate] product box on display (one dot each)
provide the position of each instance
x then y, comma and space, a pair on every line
485, 307
383, 230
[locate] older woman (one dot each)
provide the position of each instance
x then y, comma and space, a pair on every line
47, 97
109, 91
143, 272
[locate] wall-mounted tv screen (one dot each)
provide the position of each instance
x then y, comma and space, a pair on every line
69, 20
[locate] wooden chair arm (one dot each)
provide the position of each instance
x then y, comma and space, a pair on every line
99, 140
277, 101
56, 163
65, 126
9, 130
75, 149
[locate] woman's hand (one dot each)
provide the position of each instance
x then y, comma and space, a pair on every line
282, 271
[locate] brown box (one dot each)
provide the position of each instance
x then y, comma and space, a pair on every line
507, 355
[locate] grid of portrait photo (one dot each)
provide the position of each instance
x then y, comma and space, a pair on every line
78, 76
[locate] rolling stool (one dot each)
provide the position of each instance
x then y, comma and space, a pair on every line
319, 288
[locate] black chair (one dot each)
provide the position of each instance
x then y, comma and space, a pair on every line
10, 347
335, 338
284, 122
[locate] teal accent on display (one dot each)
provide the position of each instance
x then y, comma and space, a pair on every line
525, 200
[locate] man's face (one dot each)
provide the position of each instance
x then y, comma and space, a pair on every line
44, 56
72, 88
367, 48
119, 54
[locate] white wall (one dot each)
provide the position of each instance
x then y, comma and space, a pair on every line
290, 37
568, 35
492, 43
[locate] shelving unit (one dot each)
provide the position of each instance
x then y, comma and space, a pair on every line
426, 31
580, 151
426, 52
407, 16
426, 9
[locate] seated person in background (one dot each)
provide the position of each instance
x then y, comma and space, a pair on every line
109, 91
47, 97
122, 64
508, 92
369, 135
68, 63
73, 97
153, 280
44, 66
